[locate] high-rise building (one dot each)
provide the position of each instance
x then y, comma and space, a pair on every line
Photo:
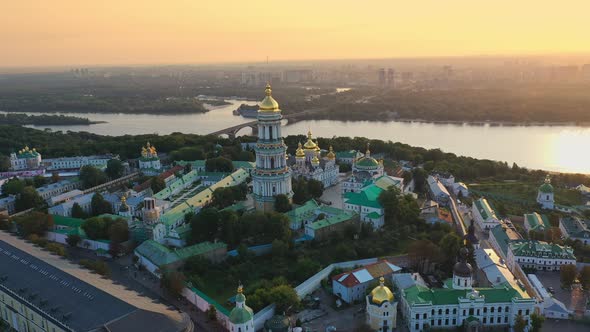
382, 78
391, 78
272, 176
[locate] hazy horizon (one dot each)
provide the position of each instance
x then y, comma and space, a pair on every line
111, 33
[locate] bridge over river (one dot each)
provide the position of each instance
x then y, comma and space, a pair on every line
231, 132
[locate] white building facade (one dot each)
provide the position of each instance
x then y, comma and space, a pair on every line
272, 175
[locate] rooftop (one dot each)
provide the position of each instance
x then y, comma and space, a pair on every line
530, 248
536, 221
68, 301
161, 255
484, 209
366, 274
576, 227
504, 233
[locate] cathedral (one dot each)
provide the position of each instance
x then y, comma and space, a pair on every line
149, 162
309, 164
272, 175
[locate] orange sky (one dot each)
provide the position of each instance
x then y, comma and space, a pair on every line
84, 32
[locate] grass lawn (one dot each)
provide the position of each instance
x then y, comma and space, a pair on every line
528, 192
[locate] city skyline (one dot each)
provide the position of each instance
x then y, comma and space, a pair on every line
147, 32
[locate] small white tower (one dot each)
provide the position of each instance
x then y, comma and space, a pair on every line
462, 271
241, 318
545, 195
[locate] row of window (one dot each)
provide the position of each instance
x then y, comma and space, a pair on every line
472, 311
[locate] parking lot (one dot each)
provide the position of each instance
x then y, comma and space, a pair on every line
318, 320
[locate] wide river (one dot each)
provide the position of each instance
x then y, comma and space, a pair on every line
554, 148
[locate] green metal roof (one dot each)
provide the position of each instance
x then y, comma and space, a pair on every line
67, 221
546, 188
373, 215
157, 253
536, 221
367, 162
576, 227
367, 197
484, 209
333, 220
241, 315
530, 248
346, 154
199, 249
303, 212
418, 294
500, 235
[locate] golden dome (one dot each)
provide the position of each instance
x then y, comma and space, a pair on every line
381, 293
268, 104
317, 146
315, 160
310, 144
299, 153
331, 155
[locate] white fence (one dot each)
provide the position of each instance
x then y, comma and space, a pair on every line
202, 302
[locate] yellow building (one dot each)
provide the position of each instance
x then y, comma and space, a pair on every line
381, 308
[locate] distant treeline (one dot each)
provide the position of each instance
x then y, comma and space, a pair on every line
517, 104
100, 104
42, 120
192, 147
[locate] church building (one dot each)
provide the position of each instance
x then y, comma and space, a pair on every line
149, 162
545, 195
309, 164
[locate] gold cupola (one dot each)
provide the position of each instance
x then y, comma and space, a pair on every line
299, 153
381, 293
331, 155
268, 104
317, 146
310, 144
315, 161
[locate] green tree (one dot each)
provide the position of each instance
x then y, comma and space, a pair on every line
204, 225
95, 228
568, 273
305, 268
28, 198
212, 313
315, 188
91, 176
34, 223
282, 203
5, 222
284, 297
585, 277
173, 282
13, 186
537, 322
219, 164
157, 184
519, 324
78, 212
118, 231
230, 231
223, 197
279, 250
55, 177
450, 244
4, 163
39, 181
278, 227
419, 176
114, 168
73, 240
99, 205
